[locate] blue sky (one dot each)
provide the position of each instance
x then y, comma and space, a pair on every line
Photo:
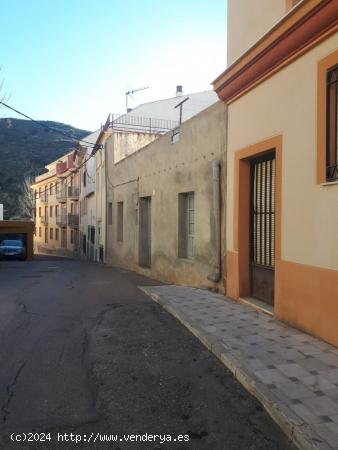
72, 61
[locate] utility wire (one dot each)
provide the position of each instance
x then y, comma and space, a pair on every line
48, 127
94, 146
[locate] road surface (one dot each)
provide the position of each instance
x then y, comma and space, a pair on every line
86, 355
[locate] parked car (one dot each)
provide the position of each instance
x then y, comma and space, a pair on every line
12, 249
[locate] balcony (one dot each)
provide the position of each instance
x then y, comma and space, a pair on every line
61, 220
73, 193
61, 196
44, 220
73, 220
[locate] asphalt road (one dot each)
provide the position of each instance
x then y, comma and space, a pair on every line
84, 353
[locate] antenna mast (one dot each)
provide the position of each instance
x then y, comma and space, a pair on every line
131, 93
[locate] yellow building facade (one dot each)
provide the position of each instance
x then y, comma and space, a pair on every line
56, 208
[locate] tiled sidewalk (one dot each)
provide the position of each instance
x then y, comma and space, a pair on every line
294, 375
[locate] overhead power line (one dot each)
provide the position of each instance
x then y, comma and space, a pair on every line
65, 184
43, 125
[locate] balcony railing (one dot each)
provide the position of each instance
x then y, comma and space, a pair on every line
61, 196
61, 220
73, 220
44, 220
73, 192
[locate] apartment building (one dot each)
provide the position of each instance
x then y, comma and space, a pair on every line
86, 170
281, 88
57, 212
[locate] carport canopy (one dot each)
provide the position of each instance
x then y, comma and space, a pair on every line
18, 227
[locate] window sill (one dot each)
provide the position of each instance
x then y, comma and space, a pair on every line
329, 183
187, 260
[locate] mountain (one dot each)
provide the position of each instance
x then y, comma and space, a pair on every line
25, 148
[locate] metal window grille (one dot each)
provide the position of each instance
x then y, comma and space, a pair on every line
186, 225
332, 125
263, 213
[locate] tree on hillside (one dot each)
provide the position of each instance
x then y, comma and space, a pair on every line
26, 199
3, 96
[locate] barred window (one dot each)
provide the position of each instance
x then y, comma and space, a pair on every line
332, 125
186, 225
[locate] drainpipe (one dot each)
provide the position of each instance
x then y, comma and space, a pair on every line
216, 169
105, 200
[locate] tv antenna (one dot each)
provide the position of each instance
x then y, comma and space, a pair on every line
180, 105
130, 93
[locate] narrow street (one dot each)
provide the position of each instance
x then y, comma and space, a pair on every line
84, 351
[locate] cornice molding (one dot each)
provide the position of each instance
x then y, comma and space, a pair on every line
305, 25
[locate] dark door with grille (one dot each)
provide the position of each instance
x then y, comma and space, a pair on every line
262, 228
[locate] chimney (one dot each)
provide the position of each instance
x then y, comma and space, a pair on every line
129, 110
179, 91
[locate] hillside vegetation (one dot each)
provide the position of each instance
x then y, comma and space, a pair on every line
25, 148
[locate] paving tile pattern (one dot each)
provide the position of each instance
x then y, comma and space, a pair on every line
292, 372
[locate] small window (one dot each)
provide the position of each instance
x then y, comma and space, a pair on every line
84, 178
186, 225
84, 244
110, 213
51, 233
56, 210
72, 237
51, 211
56, 234
40, 211
332, 125
40, 232
119, 233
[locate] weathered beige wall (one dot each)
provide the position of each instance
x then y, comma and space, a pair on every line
286, 104
162, 170
127, 143
248, 20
